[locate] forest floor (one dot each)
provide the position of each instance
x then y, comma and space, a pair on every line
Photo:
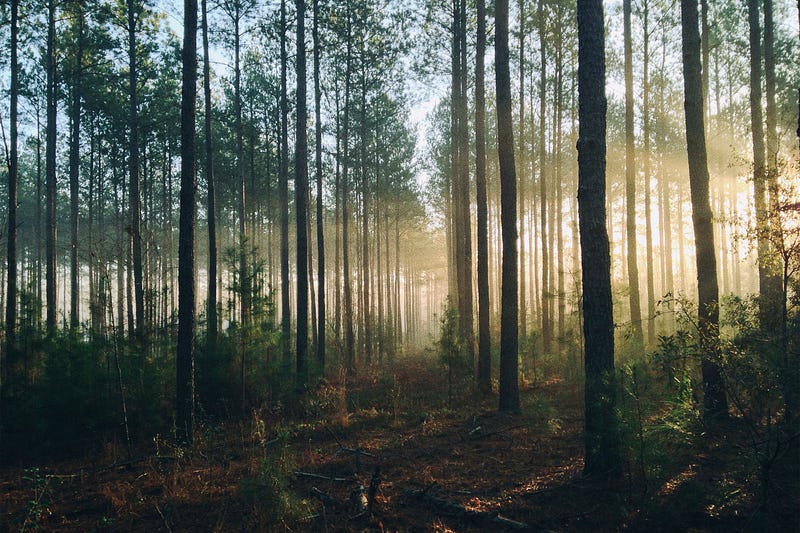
391, 453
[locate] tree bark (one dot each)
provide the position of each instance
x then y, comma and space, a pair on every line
600, 435
774, 293
545, 301
318, 170
50, 171
651, 305
484, 367
210, 183
349, 336
301, 201
630, 181
522, 161
509, 359
714, 402
74, 162
13, 182
184, 386
133, 167
283, 199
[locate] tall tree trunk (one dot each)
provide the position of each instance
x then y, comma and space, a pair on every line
600, 434
460, 176
775, 295
366, 309
522, 161
50, 169
13, 181
349, 336
546, 320
630, 181
559, 106
767, 298
714, 402
210, 184
133, 167
301, 201
184, 385
651, 302
509, 358
318, 171
283, 199
74, 162
484, 367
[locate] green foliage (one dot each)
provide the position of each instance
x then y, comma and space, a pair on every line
243, 364
452, 350
37, 506
64, 392
270, 493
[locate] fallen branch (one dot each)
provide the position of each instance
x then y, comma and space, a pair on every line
320, 476
458, 509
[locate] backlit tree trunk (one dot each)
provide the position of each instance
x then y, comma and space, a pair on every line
714, 402
601, 444
630, 181
509, 360
484, 367
301, 201
184, 387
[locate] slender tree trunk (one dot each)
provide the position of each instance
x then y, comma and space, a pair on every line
522, 161
337, 314
774, 292
366, 308
561, 296
13, 182
651, 305
74, 162
509, 358
484, 368
546, 326
630, 181
245, 286
602, 446
460, 176
349, 336
210, 184
301, 201
714, 402
50, 169
283, 199
184, 386
133, 167
318, 170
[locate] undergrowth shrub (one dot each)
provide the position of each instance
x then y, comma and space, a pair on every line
453, 352
269, 490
